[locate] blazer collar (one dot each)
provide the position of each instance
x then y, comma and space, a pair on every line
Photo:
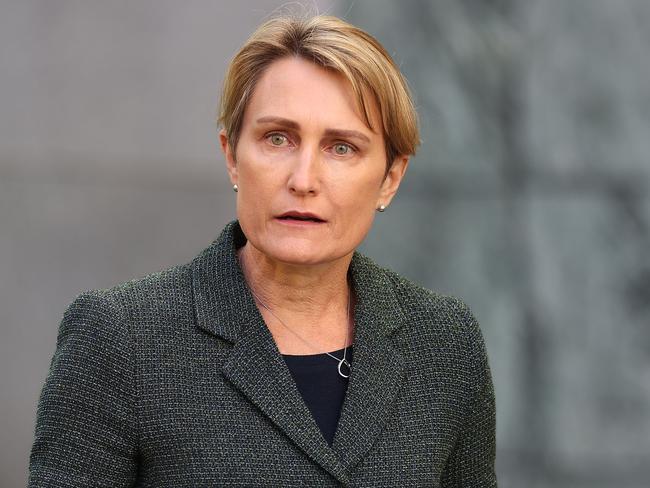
226, 308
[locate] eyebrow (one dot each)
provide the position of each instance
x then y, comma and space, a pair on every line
347, 134
290, 124
270, 119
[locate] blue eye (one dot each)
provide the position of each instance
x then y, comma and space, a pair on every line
342, 149
277, 139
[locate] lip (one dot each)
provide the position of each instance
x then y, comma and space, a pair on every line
297, 218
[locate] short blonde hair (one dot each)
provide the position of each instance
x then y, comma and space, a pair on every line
335, 45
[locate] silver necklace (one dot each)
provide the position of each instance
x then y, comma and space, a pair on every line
344, 367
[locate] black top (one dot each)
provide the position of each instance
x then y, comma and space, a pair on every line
321, 386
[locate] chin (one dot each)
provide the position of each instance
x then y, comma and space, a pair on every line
300, 252
298, 255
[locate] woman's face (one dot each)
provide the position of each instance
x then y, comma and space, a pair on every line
310, 172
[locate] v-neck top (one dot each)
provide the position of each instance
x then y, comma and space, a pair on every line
321, 386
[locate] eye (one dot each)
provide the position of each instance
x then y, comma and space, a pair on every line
342, 149
277, 139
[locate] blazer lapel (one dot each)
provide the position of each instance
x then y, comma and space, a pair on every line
226, 308
258, 370
377, 369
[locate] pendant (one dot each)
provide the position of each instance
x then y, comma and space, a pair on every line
344, 368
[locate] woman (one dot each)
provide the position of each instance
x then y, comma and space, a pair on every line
279, 356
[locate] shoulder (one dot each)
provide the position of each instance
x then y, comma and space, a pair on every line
160, 302
429, 315
440, 309
162, 292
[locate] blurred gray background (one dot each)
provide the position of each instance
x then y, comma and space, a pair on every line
529, 198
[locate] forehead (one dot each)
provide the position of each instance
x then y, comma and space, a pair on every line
299, 90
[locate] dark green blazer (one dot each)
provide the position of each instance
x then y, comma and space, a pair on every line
173, 380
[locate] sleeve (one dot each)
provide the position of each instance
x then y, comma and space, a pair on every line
85, 426
471, 463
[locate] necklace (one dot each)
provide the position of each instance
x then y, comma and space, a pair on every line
344, 367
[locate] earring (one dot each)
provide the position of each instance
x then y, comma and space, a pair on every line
381, 208
235, 188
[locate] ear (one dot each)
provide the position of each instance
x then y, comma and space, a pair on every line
392, 180
229, 155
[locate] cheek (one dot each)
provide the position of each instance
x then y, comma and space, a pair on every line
356, 210
360, 193
253, 177
251, 188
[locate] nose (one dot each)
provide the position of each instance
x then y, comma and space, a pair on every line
305, 177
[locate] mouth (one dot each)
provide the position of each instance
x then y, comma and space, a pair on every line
300, 217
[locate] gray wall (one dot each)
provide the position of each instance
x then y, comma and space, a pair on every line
530, 198
534, 172
109, 164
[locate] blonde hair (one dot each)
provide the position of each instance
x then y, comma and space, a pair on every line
335, 45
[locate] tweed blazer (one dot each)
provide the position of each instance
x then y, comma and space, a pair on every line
174, 380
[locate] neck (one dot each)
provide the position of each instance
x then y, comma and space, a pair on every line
301, 290
306, 308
